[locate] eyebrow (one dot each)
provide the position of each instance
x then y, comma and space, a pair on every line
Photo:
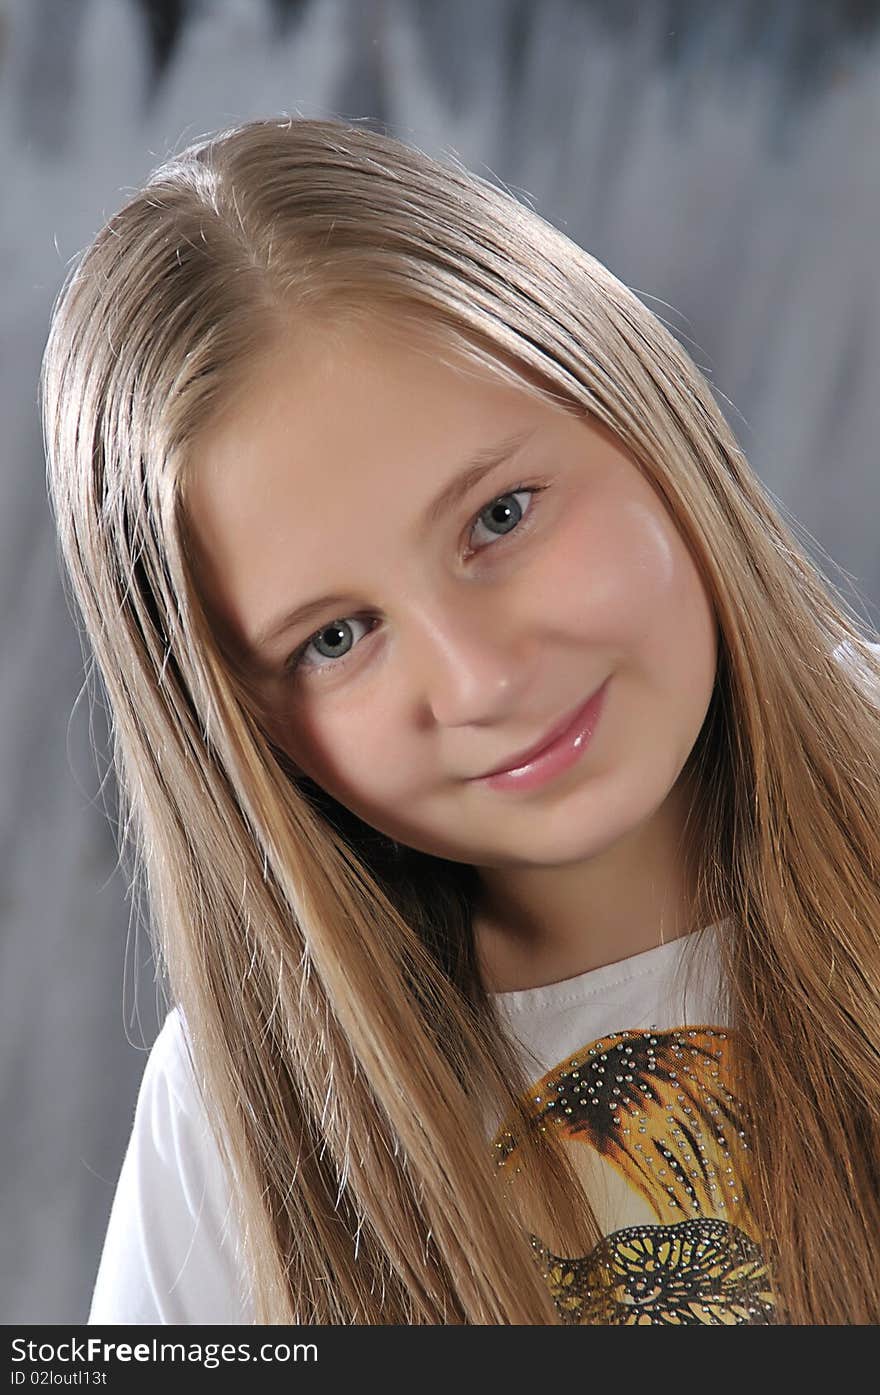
482, 463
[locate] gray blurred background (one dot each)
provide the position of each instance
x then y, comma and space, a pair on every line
721, 159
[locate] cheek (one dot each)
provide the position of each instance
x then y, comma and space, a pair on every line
647, 568
611, 574
350, 750
672, 620
630, 585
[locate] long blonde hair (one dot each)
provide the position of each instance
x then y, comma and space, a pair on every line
344, 1043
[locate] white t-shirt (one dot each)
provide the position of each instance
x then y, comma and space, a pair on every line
170, 1257
169, 1253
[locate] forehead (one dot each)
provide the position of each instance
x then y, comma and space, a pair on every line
370, 399
330, 443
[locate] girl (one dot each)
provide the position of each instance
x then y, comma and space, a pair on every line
372, 485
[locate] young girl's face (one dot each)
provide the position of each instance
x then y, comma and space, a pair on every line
454, 637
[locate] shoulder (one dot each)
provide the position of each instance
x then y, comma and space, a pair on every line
168, 1064
169, 1071
171, 1253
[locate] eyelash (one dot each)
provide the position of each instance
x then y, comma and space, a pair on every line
294, 663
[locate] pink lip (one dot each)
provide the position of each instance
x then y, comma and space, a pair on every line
558, 751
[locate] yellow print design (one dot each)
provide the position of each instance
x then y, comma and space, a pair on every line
661, 1144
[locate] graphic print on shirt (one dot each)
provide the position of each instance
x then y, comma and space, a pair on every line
661, 1146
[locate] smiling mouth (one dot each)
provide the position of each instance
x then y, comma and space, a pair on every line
531, 753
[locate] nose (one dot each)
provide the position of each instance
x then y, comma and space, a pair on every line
472, 660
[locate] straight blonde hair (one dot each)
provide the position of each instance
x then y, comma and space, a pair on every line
345, 1047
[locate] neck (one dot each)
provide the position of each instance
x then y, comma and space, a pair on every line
537, 925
